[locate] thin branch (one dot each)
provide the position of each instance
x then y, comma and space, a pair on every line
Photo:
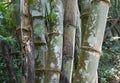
112, 26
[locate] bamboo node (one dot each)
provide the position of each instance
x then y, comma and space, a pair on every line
70, 25
91, 49
84, 14
48, 70
107, 2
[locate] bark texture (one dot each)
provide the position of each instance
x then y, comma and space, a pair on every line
94, 17
71, 23
50, 41
48, 29
27, 43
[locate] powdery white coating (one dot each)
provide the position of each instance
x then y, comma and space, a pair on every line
93, 54
54, 78
52, 65
59, 18
86, 64
78, 80
58, 54
36, 13
60, 11
87, 82
56, 49
91, 40
86, 75
29, 46
80, 71
26, 59
58, 29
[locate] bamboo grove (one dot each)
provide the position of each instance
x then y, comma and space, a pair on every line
60, 40
67, 40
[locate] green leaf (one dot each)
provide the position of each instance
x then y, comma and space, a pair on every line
30, 1
51, 17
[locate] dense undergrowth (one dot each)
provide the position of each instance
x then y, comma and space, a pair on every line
109, 66
13, 48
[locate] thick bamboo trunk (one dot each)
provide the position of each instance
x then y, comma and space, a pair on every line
77, 49
94, 17
27, 43
71, 22
38, 15
54, 42
84, 6
48, 30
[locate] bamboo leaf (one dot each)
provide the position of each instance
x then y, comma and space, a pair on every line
30, 1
